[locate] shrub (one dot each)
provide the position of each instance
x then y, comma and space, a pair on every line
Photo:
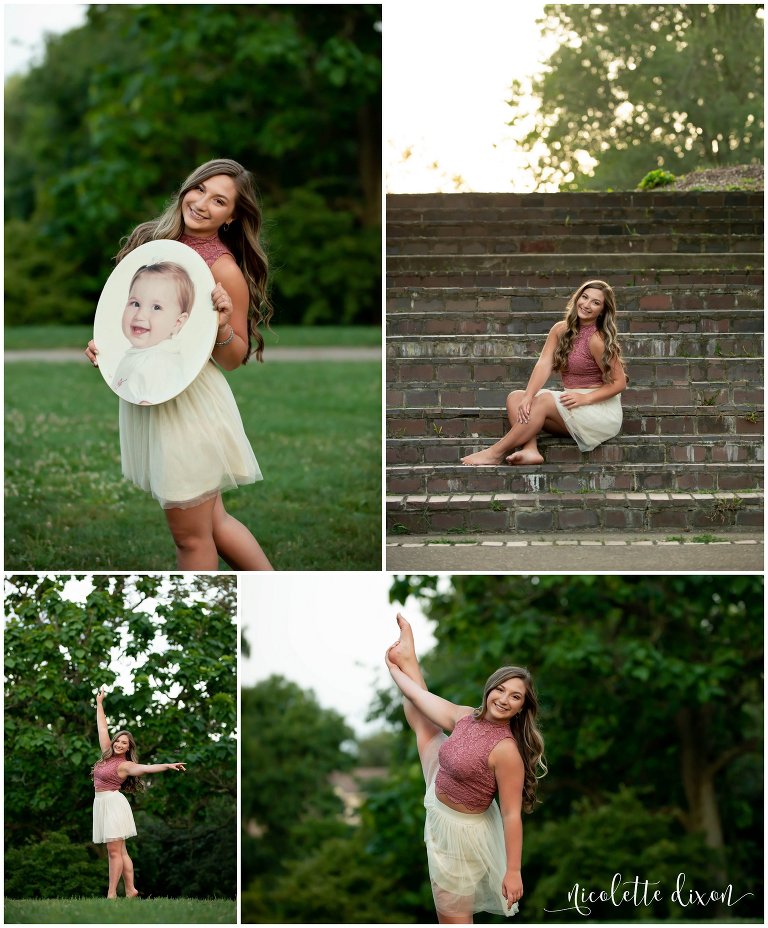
54, 868
656, 178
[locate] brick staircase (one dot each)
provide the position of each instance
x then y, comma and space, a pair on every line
474, 283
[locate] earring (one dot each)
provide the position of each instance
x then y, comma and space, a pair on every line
225, 227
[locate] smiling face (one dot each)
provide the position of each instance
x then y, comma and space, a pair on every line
206, 206
153, 311
590, 305
121, 744
505, 700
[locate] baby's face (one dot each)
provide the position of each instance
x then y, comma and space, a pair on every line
153, 312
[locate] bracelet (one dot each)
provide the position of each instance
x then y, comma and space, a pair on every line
226, 340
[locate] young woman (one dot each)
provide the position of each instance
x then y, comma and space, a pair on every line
584, 349
474, 845
116, 773
186, 451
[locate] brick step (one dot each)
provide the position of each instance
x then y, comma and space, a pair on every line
633, 345
610, 220
677, 297
527, 513
589, 201
428, 241
431, 479
623, 449
515, 322
535, 227
662, 279
507, 368
491, 422
715, 394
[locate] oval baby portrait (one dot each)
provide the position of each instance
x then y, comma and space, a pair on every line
155, 326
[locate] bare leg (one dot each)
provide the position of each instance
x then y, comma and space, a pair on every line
114, 850
192, 531
234, 542
403, 653
454, 919
130, 889
542, 409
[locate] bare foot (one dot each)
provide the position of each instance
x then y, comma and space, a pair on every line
403, 651
486, 458
525, 457
131, 894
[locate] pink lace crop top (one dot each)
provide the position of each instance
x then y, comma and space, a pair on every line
582, 370
209, 249
464, 775
105, 773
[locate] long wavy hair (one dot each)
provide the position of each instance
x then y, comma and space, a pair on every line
524, 729
605, 323
130, 784
242, 238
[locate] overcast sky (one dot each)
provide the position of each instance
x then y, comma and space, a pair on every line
325, 631
24, 28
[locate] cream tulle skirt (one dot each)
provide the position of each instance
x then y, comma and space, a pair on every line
189, 449
590, 426
465, 852
112, 817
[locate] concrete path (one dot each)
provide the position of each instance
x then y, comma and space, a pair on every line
272, 354
585, 554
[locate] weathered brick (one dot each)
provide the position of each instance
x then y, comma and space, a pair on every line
577, 518
488, 520
534, 521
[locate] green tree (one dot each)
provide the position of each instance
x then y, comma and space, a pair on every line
633, 87
174, 639
650, 690
97, 144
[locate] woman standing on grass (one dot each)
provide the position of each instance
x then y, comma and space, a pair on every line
474, 845
116, 773
187, 450
584, 348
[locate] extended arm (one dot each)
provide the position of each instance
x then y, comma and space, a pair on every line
101, 722
542, 370
130, 769
441, 712
229, 277
510, 774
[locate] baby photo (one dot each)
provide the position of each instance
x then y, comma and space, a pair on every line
160, 299
154, 325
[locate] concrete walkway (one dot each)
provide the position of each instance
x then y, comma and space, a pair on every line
585, 554
272, 354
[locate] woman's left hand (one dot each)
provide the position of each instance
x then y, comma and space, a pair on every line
512, 887
176, 767
574, 400
222, 303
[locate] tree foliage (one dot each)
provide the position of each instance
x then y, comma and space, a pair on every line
123, 108
632, 87
170, 643
651, 708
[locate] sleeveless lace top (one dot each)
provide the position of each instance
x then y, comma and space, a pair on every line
105, 773
582, 369
464, 775
209, 249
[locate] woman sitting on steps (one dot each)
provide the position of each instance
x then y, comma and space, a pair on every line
584, 348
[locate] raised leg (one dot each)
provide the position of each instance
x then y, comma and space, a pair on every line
192, 531
115, 853
543, 408
403, 653
235, 543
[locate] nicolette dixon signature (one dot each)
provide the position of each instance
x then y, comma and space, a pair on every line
644, 892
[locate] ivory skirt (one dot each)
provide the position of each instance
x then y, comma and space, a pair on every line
590, 426
112, 817
189, 449
465, 852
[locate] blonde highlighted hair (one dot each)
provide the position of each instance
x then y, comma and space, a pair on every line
242, 238
524, 729
606, 326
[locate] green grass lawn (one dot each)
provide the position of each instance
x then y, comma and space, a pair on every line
18, 338
315, 428
120, 911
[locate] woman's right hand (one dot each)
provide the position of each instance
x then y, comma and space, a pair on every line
524, 409
176, 767
91, 351
100, 696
